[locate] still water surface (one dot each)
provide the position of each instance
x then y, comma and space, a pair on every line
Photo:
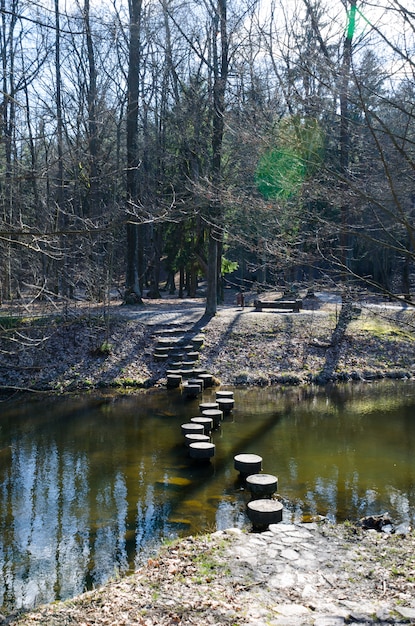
91, 484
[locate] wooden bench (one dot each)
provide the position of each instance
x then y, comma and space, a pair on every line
285, 305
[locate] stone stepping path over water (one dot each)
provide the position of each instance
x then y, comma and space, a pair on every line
182, 343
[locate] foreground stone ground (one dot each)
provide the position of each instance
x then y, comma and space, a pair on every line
291, 575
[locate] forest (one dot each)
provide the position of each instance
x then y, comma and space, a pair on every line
149, 144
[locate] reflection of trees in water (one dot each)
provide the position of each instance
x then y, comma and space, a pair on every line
44, 533
109, 554
81, 500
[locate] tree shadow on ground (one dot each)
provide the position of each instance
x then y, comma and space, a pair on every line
333, 351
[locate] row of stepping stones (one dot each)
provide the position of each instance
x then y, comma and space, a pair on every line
180, 350
262, 510
197, 431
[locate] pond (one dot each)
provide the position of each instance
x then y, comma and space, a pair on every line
91, 484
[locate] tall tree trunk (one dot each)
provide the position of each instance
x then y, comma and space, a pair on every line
220, 77
133, 289
345, 131
61, 282
92, 116
8, 114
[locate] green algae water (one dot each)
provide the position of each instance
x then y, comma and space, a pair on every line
92, 484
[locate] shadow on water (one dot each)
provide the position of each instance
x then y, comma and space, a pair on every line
92, 484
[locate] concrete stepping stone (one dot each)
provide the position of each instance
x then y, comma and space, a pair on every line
206, 406
187, 372
226, 404
223, 393
167, 343
195, 438
197, 341
206, 422
162, 350
192, 428
264, 512
191, 390
169, 332
262, 484
197, 371
202, 450
174, 381
197, 381
187, 364
207, 378
248, 464
215, 414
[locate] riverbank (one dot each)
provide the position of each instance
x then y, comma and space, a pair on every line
292, 575
86, 347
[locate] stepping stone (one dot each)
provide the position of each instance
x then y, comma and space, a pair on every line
197, 341
177, 355
167, 343
163, 350
187, 364
207, 378
197, 381
215, 414
206, 422
168, 332
226, 404
191, 390
224, 394
196, 438
248, 463
262, 513
206, 406
176, 365
199, 370
192, 428
187, 372
262, 484
202, 450
174, 381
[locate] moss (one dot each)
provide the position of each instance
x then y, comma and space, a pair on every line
382, 329
128, 383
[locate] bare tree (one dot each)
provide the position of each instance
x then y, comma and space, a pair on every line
135, 270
